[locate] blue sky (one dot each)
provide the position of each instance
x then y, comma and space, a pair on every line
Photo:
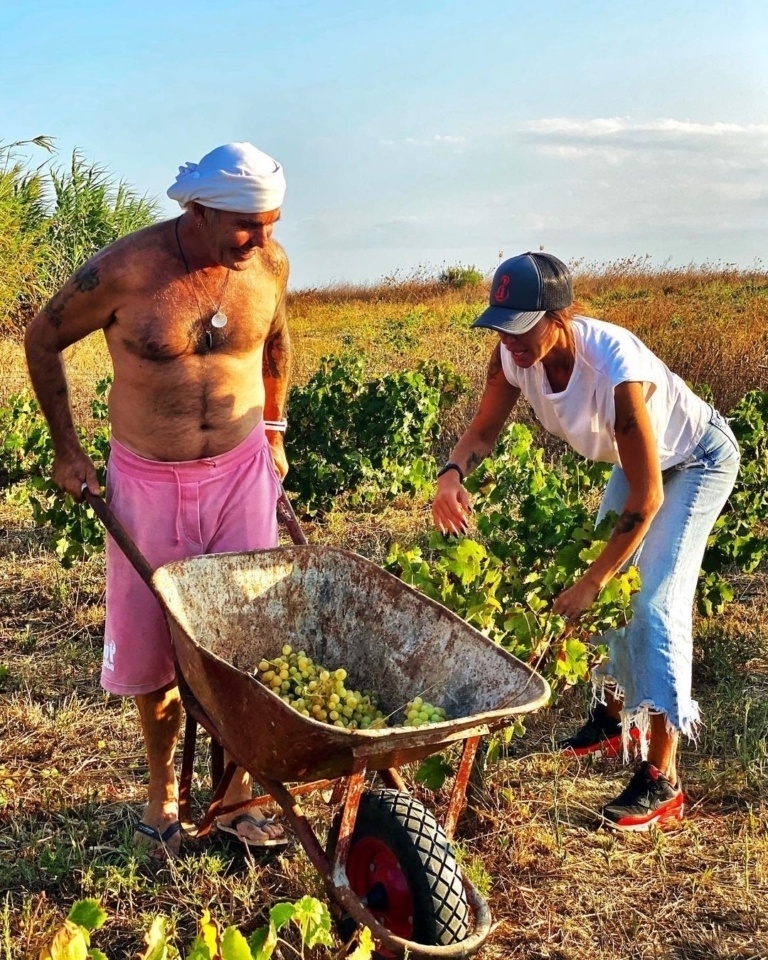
417, 134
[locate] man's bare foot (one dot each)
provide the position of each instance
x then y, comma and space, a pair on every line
160, 839
254, 829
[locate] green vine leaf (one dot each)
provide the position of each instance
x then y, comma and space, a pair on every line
364, 948
262, 942
434, 771
234, 946
157, 944
314, 922
572, 661
70, 942
88, 914
282, 914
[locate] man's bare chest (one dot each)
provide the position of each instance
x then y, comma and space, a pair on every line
174, 321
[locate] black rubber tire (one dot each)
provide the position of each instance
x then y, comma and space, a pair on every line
440, 910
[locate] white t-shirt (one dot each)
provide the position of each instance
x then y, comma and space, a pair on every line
584, 414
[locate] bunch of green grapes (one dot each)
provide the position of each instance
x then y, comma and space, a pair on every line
320, 693
419, 713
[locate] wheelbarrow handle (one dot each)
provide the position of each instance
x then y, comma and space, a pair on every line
288, 517
120, 535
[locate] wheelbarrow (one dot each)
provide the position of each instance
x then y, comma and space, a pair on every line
388, 863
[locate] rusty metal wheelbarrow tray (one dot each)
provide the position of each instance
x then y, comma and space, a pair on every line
228, 611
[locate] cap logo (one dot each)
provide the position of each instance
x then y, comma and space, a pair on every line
501, 290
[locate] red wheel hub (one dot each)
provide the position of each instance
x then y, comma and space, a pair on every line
371, 864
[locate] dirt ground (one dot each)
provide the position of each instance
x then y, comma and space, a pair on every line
72, 777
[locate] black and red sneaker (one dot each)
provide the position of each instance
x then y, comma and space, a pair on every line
600, 736
649, 798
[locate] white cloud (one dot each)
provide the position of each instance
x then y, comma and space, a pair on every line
602, 127
666, 185
709, 129
454, 141
673, 163
620, 140
584, 128
573, 152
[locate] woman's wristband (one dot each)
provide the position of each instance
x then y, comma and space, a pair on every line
278, 426
450, 465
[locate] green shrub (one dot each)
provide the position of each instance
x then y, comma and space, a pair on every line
26, 448
458, 276
371, 439
535, 537
740, 536
365, 438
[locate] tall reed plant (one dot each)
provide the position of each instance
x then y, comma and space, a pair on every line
89, 210
22, 222
52, 219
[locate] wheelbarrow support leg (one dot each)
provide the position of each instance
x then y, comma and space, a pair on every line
355, 788
185, 780
459, 791
223, 781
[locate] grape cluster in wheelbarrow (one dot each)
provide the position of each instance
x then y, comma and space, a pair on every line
321, 694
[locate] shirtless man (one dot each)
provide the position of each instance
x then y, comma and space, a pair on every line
193, 312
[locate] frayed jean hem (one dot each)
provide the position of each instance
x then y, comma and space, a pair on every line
640, 716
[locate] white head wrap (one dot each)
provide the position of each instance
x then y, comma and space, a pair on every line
236, 177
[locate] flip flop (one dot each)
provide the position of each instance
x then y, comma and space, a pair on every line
257, 822
160, 839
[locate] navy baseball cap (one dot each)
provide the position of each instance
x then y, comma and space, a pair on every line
522, 291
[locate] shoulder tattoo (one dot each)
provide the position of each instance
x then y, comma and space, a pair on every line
85, 280
276, 260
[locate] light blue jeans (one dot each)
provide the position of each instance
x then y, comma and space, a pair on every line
649, 665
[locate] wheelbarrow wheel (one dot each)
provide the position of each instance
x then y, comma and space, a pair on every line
401, 865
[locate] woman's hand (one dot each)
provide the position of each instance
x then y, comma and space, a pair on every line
578, 598
451, 507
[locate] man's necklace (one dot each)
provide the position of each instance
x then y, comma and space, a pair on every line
219, 318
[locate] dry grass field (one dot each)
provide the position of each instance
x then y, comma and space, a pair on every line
72, 771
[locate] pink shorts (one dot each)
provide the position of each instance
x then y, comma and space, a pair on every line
171, 511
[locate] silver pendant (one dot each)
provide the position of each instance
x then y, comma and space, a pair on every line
219, 320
